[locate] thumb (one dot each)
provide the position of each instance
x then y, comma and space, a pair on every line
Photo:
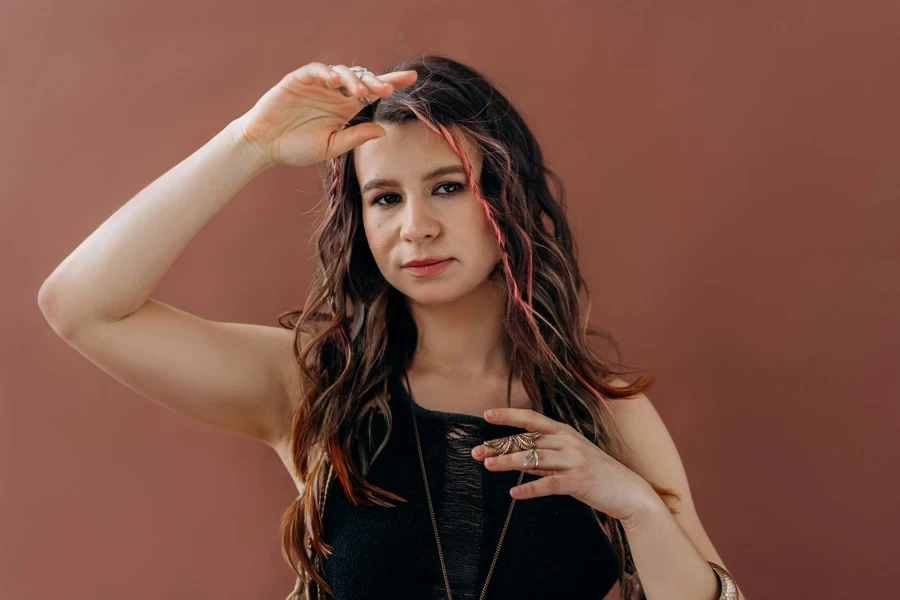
347, 139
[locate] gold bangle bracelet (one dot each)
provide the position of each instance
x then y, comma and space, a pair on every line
727, 585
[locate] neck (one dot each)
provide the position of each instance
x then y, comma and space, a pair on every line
464, 339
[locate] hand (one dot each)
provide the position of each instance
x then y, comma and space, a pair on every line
298, 122
569, 464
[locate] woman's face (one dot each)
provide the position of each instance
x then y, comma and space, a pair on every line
410, 215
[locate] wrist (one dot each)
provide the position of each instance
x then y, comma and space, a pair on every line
647, 507
257, 158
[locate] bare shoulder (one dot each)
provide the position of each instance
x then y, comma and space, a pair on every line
632, 413
626, 403
653, 455
650, 450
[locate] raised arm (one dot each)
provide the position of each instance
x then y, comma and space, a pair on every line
235, 376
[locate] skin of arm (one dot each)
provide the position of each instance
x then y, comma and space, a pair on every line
112, 273
235, 376
670, 551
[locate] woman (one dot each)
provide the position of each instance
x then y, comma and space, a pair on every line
447, 285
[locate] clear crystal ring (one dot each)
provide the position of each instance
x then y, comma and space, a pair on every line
532, 455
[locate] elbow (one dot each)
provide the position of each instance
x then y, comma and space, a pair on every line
48, 300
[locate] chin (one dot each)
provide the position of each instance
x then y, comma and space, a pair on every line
440, 293
434, 296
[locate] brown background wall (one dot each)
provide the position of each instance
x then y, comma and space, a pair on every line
733, 179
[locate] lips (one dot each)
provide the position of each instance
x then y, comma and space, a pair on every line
421, 262
429, 268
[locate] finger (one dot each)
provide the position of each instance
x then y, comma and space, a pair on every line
351, 137
391, 82
352, 83
316, 72
541, 472
379, 87
543, 442
550, 460
400, 79
524, 418
329, 75
545, 486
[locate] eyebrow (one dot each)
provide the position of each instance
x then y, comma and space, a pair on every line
375, 184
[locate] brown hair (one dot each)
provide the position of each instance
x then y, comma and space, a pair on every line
345, 367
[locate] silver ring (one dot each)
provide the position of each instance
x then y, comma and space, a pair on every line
359, 72
532, 454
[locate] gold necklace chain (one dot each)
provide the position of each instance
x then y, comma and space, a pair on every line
431, 507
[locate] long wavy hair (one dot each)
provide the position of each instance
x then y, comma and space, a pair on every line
358, 331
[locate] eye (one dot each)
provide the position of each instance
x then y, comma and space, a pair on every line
455, 189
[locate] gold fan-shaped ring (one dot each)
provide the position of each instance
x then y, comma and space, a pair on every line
522, 441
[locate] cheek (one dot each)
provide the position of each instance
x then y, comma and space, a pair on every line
484, 230
379, 245
485, 224
470, 227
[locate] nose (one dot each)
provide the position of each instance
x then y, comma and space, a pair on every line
418, 222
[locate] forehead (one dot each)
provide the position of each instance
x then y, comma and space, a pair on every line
408, 151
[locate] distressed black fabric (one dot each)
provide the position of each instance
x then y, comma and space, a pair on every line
554, 547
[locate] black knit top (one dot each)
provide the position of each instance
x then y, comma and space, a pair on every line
553, 548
